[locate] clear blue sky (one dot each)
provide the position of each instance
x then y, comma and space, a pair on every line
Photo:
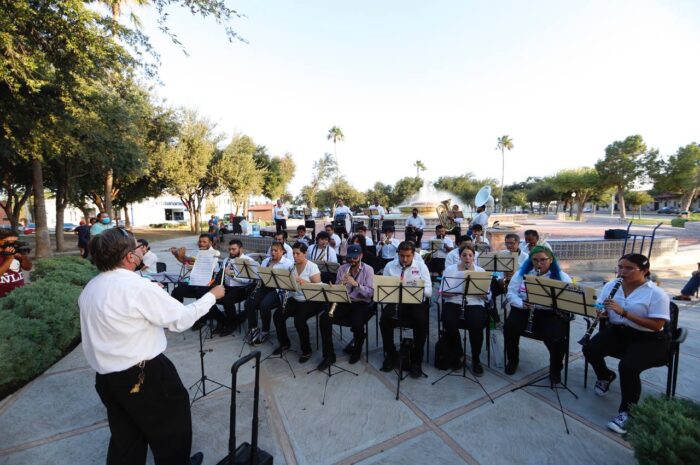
440, 81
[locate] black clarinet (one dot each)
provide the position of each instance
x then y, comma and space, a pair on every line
587, 337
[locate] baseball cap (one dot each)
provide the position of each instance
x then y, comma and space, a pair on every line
354, 251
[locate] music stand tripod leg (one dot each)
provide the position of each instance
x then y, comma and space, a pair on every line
201, 382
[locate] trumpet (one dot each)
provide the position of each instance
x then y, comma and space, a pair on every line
331, 312
589, 332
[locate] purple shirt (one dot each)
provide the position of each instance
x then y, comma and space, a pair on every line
365, 280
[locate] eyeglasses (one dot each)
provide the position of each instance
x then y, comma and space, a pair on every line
122, 230
541, 260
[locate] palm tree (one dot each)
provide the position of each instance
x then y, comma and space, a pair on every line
420, 166
336, 135
504, 142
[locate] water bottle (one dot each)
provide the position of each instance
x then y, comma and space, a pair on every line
256, 229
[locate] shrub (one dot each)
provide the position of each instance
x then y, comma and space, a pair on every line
678, 222
71, 266
665, 431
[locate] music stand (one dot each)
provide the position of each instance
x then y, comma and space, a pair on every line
201, 382
391, 290
246, 268
559, 296
473, 283
282, 280
331, 294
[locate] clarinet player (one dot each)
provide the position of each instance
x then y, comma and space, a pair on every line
544, 322
637, 313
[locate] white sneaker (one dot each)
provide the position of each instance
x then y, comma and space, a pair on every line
252, 336
619, 423
261, 337
603, 385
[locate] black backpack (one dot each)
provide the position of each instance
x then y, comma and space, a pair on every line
406, 353
443, 359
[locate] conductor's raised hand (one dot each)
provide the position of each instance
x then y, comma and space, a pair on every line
218, 291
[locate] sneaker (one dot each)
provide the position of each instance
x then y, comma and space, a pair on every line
619, 423
603, 385
251, 336
261, 337
682, 297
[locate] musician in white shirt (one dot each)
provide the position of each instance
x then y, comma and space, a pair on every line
281, 237
321, 251
418, 223
412, 315
481, 218
453, 257
458, 218
122, 321
387, 249
532, 239
375, 220
334, 239
368, 239
280, 215
237, 288
447, 244
342, 209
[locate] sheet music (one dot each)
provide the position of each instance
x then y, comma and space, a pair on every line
386, 290
571, 298
203, 269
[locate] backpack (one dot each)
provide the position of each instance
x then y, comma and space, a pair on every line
443, 359
406, 353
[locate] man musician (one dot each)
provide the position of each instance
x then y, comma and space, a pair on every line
237, 289
388, 247
342, 213
412, 315
333, 238
321, 251
415, 224
280, 214
375, 220
281, 237
358, 278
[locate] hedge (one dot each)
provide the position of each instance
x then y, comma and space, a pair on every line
665, 431
40, 322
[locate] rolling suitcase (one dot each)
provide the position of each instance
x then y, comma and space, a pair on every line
246, 453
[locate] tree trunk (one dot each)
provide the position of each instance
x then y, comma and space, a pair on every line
43, 242
86, 213
60, 214
687, 199
109, 182
127, 220
621, 202
14, 204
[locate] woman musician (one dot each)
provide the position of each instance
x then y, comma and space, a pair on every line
264, 298
546, 323
637, 313
305, 271
475, 315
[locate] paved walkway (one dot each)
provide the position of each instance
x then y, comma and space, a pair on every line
58, 418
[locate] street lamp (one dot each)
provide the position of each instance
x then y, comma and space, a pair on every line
571, 209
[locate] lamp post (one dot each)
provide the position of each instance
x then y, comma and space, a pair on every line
571, 209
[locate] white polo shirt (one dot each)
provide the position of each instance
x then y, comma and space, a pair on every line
280, 213
388, 251
380, 210
647, 301
418, 222
417, 270
456, 286
230, 280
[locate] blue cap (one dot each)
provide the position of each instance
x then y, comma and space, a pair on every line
354, 251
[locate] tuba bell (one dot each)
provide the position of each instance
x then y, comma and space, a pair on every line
444, 212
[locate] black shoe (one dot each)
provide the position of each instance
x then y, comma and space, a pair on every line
219, 327
555, 378
355, 357
477, 368
280, 350
303, 358
389, 361
197, 459
457, 364
350, 348
416, 370
511, 367
227, 330
198, 325
326, 363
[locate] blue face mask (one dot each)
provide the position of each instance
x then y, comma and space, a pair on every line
105, 220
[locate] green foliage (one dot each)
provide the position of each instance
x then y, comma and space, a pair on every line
323, 170
665, 431
679, 222
40, 321
465, 186
404, 189
679, 174
238, 171
382, 192
340, 189
636, 199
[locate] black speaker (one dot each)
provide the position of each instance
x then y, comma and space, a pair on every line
236, 224
615, 234
387, 224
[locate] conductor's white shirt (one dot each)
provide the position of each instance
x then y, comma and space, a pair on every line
122, 317
418, 222
417, 270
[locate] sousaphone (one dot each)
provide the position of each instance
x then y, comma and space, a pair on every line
484, 198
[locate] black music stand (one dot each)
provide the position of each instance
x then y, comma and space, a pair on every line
559, 296
331, 295
282, 280
246, 268
201, 383
391, 290
474, 283
327, 269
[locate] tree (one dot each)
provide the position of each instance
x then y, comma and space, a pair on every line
420, 166
680, 174
543, 193
279, 172
464, 186
15, 186
323, 170
340, 189
404, 189
504, 143
382, 192
622, 166
635, 199
336, 135
584, 182
239, 172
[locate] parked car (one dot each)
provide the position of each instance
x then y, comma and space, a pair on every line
587, 210
668, 210
697, 210
68, 227
30, 228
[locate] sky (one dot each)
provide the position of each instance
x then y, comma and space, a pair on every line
440, 81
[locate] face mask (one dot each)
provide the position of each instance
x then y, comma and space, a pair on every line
105, 220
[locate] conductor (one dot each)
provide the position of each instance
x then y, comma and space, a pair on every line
122, 317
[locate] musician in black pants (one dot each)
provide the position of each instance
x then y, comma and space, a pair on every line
548, 324
635, 334
414, 316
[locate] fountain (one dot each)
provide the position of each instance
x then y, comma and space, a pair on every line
426, 201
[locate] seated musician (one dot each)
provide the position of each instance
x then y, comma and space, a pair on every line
475, 315
458, 218
512, 243
548, 324
387, 249
532, 239
333, 238
452, 258
365, 232
301, 235
321, 251
297, 307
358, 279
281, 237
447, 244
263, 299
416, 222
237, 289
482, 218
412, 315
184, 290
478, 236
635, 333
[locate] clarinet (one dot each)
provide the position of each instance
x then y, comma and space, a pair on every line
531, 315
285, 295
587, 337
